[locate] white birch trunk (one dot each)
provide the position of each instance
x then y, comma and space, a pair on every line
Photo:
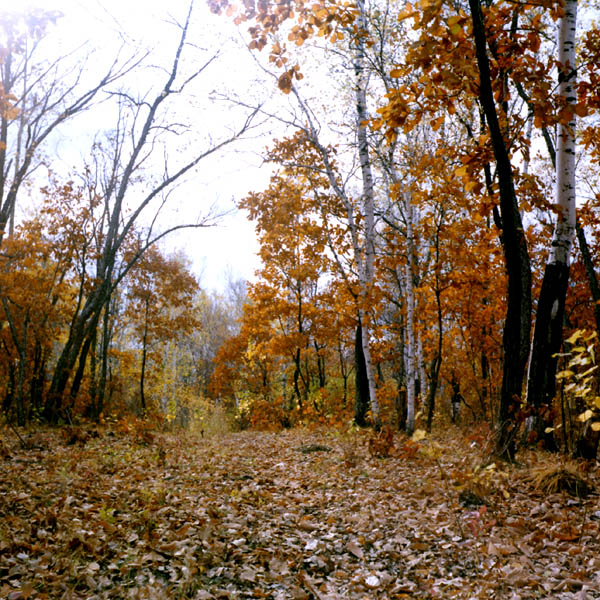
364, 253
565, 145
410, 320
421, 368
547, 335
368, 202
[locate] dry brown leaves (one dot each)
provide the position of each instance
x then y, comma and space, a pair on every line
251, 516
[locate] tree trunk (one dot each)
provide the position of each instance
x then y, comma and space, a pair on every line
517, 325
82, 327
36, 392
411, 366
361, 393
547, 337
590, 272
436, 363
104, 367
144, 357
367, 272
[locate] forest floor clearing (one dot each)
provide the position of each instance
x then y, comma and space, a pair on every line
300, 514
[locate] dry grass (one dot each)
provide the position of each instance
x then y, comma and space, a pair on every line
566, 477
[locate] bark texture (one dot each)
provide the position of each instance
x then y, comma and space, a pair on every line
517, 326
547, 337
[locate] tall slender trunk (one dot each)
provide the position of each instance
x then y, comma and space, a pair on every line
367, 271
436, 363
144, 356
517, 325
104, 366
547, 337
410, 357
36, 392
411, 347
591, 273
361, 389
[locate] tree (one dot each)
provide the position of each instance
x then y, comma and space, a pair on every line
547, 337
160, 294
518, 312
338, 22
37, 96
140, 125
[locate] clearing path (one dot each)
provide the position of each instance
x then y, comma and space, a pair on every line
298, 515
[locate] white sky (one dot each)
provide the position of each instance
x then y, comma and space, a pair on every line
104, 24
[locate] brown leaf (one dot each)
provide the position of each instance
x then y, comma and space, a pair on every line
355, 549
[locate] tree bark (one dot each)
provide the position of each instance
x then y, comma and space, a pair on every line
144, 357
367, 271
517, 325
547, 337
361, 393
590, 272
411, 346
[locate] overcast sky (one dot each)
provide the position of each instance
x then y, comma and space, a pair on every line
104, 25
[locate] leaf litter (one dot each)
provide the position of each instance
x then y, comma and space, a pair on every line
248, 515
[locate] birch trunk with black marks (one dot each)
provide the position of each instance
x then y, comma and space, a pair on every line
547, 337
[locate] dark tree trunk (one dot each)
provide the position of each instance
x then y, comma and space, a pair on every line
83, 355
296, 379
361, 393
107, 333
587, 445
144, 356
320, 367
590, 272
456, 398
401, 411
82, 329
517, 325
36, 392
547, 340
436, 363
9, 396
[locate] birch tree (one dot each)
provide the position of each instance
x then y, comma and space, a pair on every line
547, 337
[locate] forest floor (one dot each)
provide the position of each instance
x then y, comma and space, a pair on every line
300, 514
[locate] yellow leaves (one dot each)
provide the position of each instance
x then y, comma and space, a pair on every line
418, 435
8, 110
437, 122
10, 113
455, 25
396, 73
320, 12
407, 13
574, 337
565, 374
473, 186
